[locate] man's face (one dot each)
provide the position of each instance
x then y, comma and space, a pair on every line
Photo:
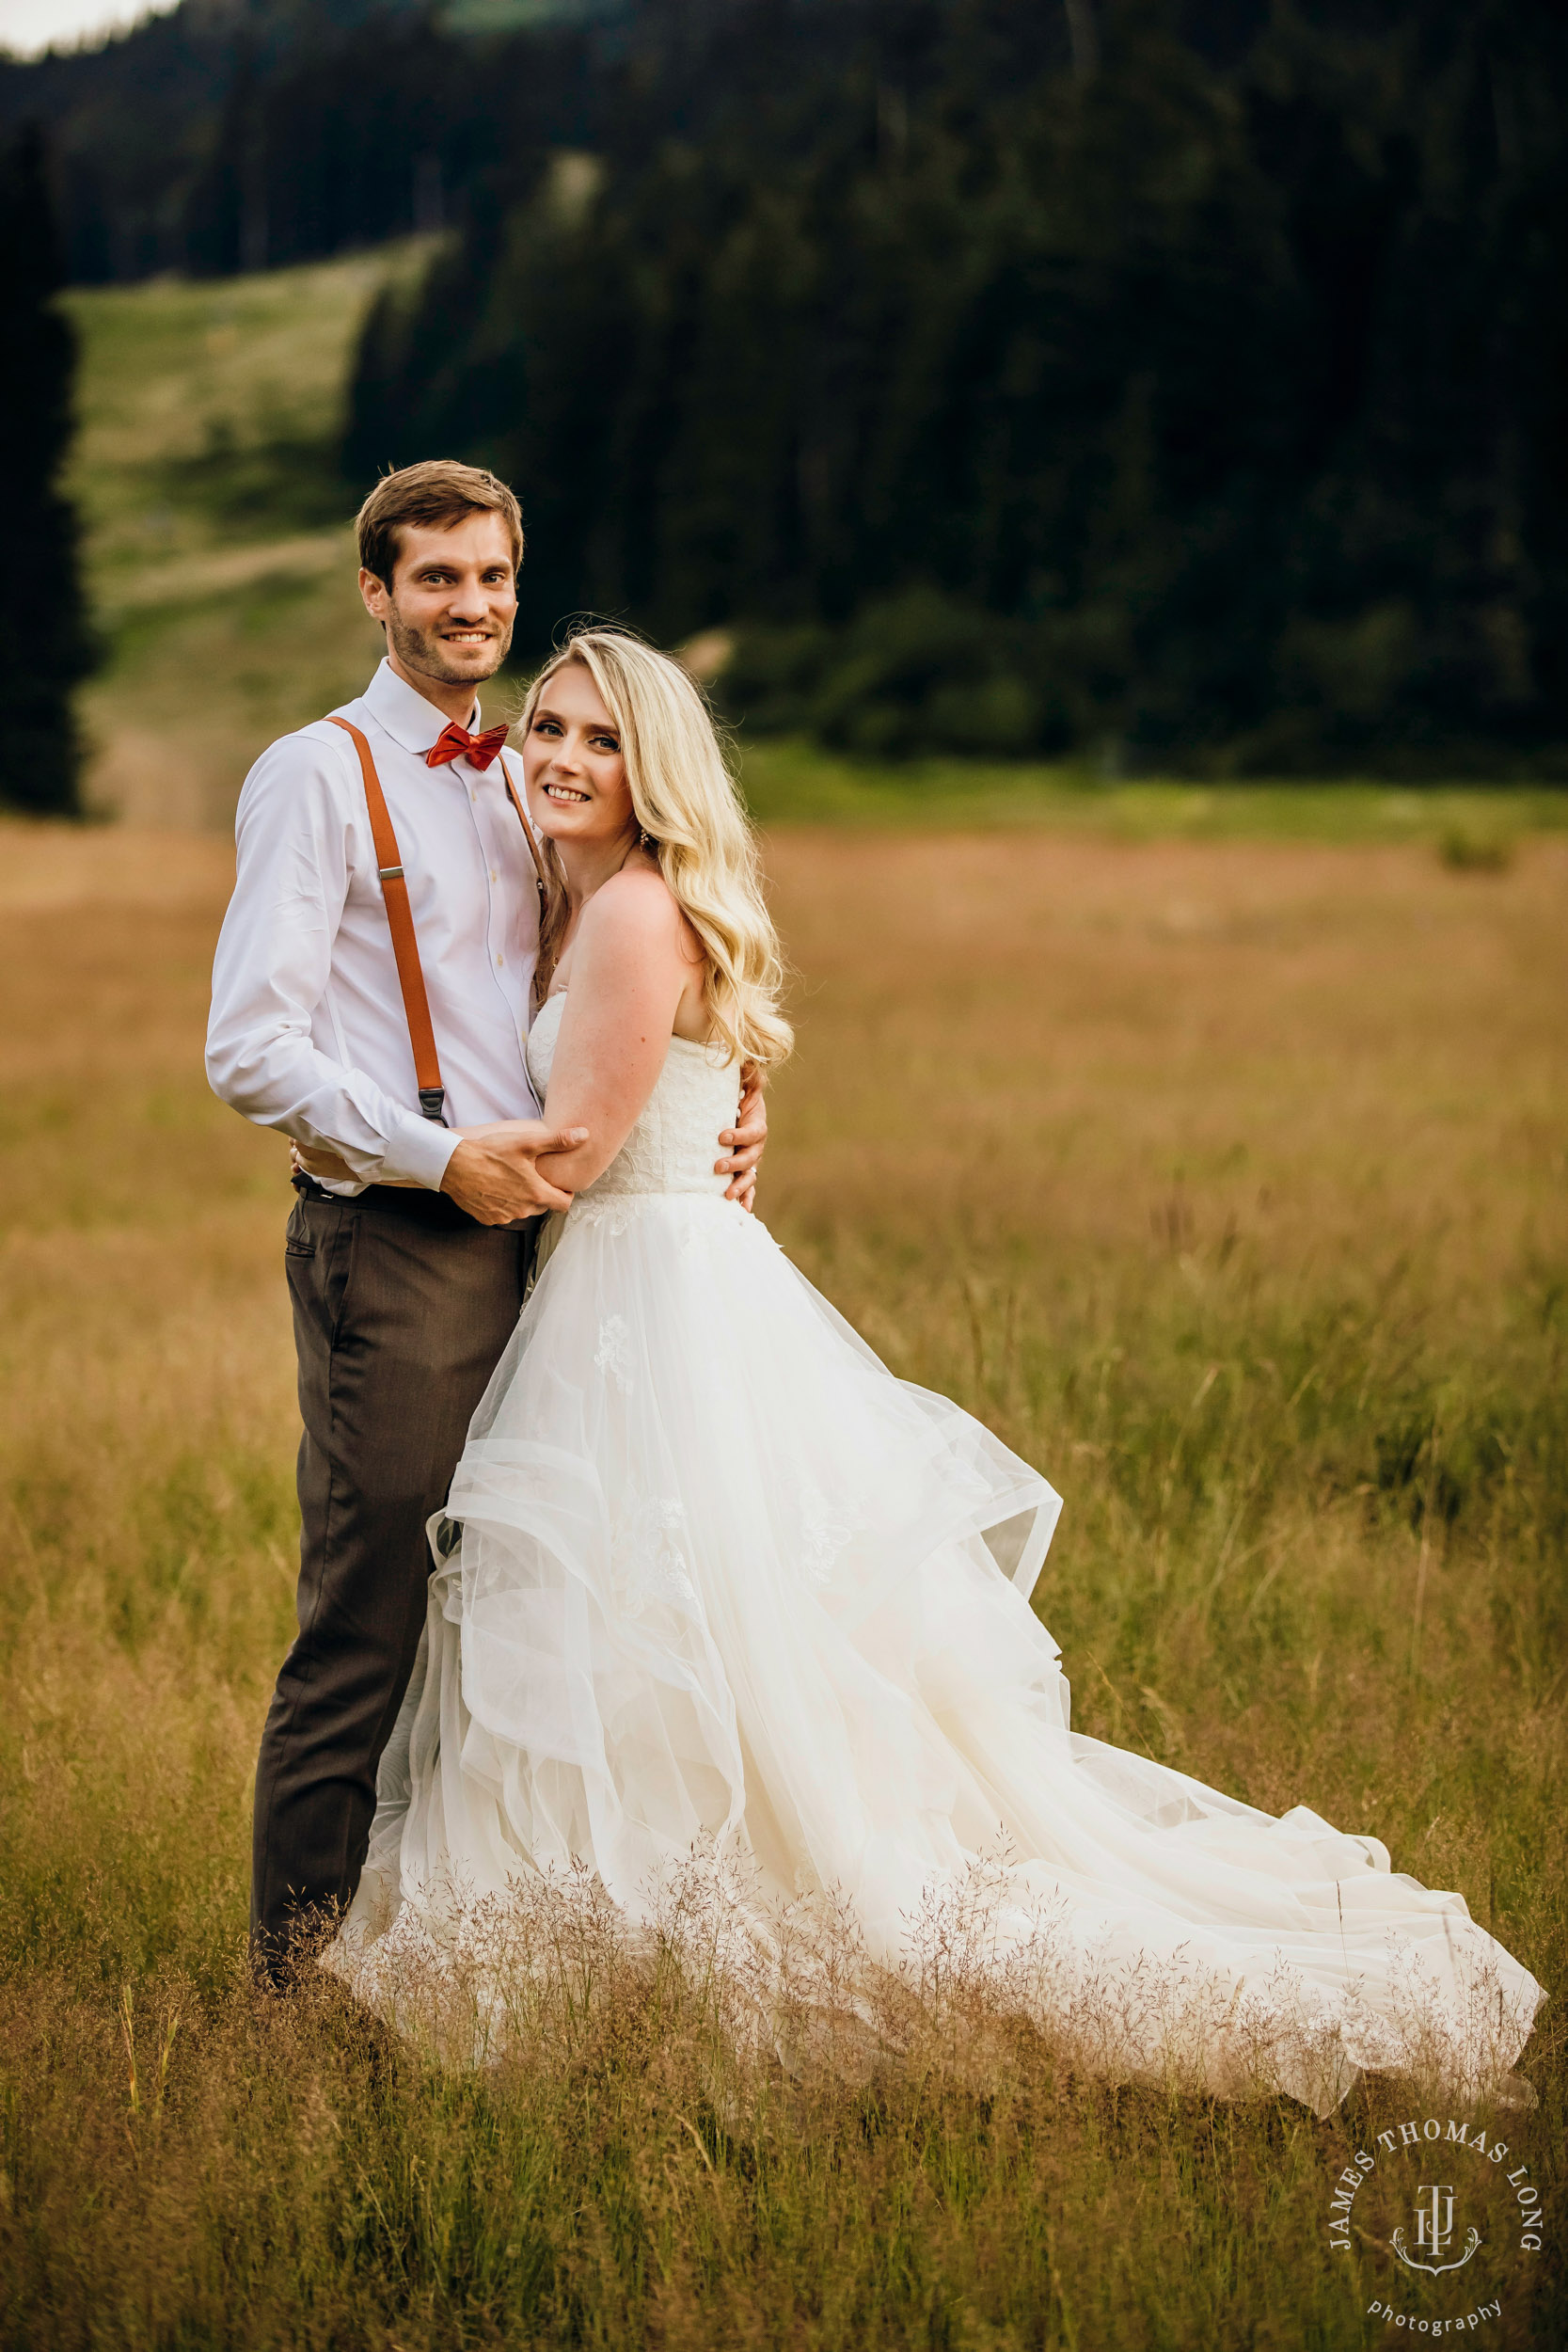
452, 601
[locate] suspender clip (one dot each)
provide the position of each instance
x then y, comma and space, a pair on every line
433, 1100
388, 873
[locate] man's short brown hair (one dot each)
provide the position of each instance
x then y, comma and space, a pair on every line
432, 495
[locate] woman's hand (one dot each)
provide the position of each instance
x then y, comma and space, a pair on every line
326, 1166
746, 1141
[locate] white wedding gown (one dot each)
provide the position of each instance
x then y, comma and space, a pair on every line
711, 1577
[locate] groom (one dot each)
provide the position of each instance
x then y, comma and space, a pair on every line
372, 993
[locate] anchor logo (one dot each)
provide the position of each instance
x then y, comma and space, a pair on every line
1434, 2232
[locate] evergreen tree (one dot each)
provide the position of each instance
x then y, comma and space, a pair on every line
45, 646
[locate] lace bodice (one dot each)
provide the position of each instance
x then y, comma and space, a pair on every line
674, 1142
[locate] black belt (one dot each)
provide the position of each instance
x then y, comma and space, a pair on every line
414, 1203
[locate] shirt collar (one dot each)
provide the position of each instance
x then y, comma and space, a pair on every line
408, 719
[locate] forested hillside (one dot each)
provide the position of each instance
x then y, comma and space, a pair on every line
242, 135
1182, 401
1168, 381
238, 135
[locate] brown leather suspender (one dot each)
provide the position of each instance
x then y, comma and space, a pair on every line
527, 833
400, 920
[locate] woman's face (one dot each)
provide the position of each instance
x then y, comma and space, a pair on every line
577, 776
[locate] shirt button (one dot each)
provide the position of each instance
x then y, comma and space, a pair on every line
494, 876
497, 962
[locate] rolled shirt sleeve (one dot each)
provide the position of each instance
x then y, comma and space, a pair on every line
271, 973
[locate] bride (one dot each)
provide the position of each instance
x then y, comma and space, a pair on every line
772, 1603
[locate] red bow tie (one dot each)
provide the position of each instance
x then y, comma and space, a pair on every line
455, 742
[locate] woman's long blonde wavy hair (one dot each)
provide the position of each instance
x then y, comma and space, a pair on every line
686, 801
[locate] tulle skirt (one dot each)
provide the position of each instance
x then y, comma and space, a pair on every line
711, 1580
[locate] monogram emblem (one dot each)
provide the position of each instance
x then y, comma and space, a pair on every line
1434, 2232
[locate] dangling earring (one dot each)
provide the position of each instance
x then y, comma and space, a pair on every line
644, 840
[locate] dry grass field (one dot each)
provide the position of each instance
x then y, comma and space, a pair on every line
1226, 1181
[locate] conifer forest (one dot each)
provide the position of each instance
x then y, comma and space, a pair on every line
1194, 375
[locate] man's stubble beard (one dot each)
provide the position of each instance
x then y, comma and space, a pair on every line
421, 650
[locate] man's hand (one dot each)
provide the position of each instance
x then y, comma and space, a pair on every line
493, 1174
746, 1141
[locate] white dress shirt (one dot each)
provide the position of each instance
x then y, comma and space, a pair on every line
308, 1032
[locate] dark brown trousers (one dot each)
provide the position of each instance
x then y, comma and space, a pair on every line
401, 1307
